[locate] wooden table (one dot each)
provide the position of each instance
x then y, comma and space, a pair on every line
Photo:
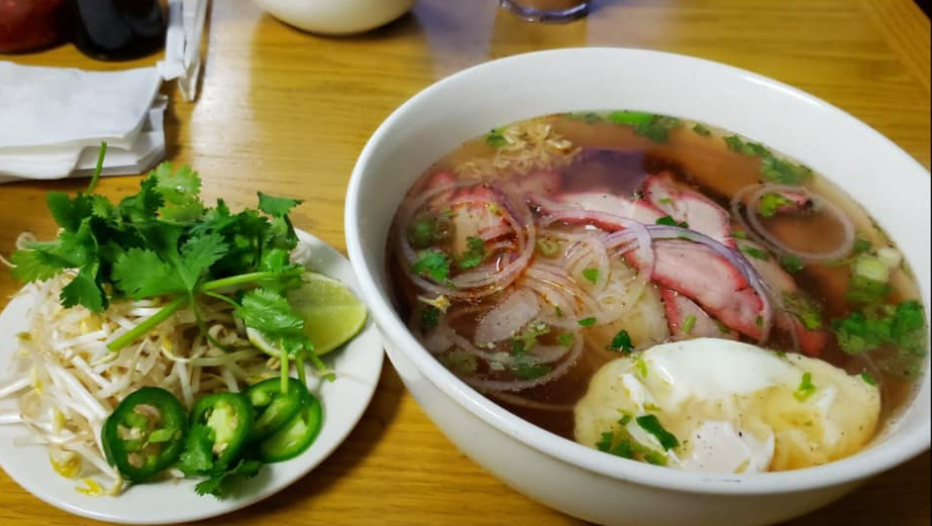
287, 113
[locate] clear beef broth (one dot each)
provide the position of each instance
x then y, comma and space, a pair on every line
699, 161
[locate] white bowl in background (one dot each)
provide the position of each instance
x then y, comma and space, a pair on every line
560, 473
336, 17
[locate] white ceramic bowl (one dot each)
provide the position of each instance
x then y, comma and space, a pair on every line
557, 472
336, 17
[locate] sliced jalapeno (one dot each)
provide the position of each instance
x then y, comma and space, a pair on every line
272, 408
219, 427
297, 435
145, 435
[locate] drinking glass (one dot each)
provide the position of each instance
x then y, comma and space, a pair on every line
550, 11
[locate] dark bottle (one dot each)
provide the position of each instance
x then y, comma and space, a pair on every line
118, 29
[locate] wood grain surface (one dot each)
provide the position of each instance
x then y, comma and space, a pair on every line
287, 113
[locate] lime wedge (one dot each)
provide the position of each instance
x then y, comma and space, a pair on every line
332, 315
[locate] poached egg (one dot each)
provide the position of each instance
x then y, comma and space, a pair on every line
732, 407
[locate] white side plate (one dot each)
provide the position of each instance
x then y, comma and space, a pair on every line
359, 366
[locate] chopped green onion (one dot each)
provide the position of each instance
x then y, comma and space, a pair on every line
689, 324
548, 247
591, 274
806, 388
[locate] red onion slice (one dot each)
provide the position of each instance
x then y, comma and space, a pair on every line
520, 385
508, 317
755, 227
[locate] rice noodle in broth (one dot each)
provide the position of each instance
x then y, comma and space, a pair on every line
531, 257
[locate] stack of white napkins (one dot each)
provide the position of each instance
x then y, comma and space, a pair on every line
53, 120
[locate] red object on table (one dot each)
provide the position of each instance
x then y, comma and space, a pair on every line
26, 25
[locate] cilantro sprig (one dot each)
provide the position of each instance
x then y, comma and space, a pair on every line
164, 243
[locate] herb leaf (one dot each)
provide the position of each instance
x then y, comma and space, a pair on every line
792, 264
474, 254
622, 343
756, 253
430, 318
652, 425
221, 484
591, 274
771, 203
198, 457
142, 274
702, 130
433, 264
669, 221
272, 315
180, 190
805, 309
773, 169
870, 329
277, 206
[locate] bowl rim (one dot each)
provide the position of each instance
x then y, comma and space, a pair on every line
867, 463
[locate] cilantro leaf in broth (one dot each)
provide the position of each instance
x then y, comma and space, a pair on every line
622, 343
700, 129
474, 254
774, 169
669, 221
792, 264
771, 203
652, 425
430, 318
434, 265
756, 253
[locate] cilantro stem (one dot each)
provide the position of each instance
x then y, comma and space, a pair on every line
222, 298
99, 168
203, 327
147, 326
299, 364
285, 369
245, 279
320, 365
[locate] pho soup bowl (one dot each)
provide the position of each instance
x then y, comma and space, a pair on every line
559, 473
